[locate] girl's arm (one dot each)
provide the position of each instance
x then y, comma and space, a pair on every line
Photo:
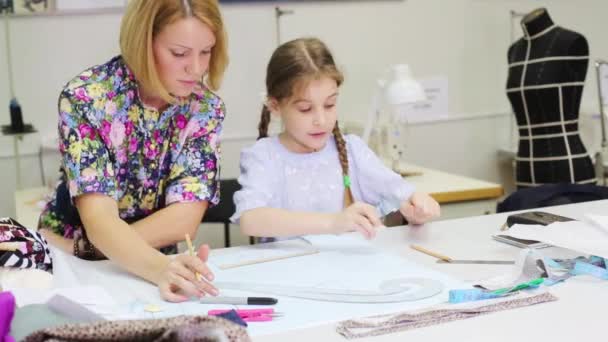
273, 222
378, 185
386, 189
420, 208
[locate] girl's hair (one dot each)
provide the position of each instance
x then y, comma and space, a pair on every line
292, 66
144, 19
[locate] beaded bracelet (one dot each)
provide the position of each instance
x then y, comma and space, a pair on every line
89, 251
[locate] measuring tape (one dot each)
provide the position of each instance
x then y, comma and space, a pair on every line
557, 270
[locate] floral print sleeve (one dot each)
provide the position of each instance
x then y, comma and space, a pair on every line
144, 158
194, 173
85, 158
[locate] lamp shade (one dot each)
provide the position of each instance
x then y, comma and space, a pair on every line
402, 88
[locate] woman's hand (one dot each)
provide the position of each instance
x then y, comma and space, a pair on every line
359, 217
420, 208
187, 276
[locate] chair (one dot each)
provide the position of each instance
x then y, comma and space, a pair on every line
551, 194
222, 212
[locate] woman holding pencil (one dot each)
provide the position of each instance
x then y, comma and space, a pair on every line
139, 145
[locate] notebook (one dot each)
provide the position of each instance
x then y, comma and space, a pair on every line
530, 217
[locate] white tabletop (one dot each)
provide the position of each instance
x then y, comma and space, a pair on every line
579, 314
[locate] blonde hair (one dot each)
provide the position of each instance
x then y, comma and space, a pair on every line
292, 66
144, 19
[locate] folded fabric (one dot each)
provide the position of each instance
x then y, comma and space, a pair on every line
392, 323
233, 316
7, 311
21, 247
181, 328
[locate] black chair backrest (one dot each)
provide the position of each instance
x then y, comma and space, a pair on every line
225, 208
552, 194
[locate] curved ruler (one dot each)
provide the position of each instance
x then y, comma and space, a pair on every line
390, 291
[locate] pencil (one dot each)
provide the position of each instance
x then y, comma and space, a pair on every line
262, 260
431, 253
191, 251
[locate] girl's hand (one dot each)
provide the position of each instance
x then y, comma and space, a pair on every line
420, 208
178, 281
359, 217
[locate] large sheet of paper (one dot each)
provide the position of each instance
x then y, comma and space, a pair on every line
346, 262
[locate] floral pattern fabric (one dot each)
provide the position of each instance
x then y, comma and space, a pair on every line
21, 247
112, 144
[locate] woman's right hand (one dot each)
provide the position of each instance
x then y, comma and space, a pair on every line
178, 281
360, 217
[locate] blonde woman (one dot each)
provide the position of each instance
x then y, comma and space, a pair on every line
139, 144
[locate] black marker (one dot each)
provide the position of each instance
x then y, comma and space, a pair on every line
239, 300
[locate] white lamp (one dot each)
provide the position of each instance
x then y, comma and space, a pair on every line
399, 92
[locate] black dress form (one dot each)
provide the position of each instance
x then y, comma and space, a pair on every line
547, 69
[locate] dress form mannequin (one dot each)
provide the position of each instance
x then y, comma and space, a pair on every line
547, 69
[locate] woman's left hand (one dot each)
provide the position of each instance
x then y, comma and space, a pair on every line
420, 208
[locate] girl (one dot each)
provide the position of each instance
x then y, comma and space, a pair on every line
310, 179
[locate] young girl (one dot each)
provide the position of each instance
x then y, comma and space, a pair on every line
310, 179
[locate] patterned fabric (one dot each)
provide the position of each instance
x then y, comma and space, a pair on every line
551, 194
182, 328
112, 144
21, 247
272, 176
387, 324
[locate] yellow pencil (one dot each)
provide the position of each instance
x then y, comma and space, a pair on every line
191, 251
431, 253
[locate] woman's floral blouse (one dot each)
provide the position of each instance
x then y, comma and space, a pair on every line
114, 145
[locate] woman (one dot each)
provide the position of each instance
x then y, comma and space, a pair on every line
139, 144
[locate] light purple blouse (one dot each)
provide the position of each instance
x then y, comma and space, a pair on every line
272, 176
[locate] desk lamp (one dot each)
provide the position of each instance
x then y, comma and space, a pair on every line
399, 93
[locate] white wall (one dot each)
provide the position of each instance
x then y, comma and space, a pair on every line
465, 40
